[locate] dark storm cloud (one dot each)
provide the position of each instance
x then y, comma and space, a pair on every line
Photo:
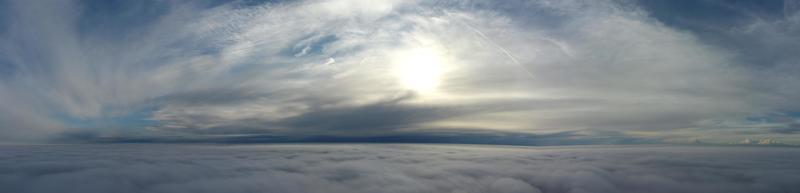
395, 168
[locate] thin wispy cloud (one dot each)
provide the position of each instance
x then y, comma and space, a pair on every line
347, 68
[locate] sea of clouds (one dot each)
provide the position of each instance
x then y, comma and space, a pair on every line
395, 168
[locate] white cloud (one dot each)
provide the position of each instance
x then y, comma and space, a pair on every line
395, 168
230, 68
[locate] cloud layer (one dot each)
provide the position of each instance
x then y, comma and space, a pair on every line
395, 168
349, 68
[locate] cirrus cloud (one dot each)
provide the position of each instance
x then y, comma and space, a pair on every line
330, 67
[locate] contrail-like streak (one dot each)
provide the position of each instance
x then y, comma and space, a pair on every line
501, 48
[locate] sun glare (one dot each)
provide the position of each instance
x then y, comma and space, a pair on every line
418, 69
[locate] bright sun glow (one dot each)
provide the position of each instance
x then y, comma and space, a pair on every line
419, 69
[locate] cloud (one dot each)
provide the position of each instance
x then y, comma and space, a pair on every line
395, 168
339, 67
792, 128
21, 122
442, 136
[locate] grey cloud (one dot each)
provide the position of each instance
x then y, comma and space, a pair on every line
385, 117
213, 96
400, 113
381, 116
433, 136
529, 66
395, 168
759, 35
19, 122
791, 128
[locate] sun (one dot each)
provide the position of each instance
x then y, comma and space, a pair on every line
418, 69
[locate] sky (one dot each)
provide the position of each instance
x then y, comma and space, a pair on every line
518, 72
